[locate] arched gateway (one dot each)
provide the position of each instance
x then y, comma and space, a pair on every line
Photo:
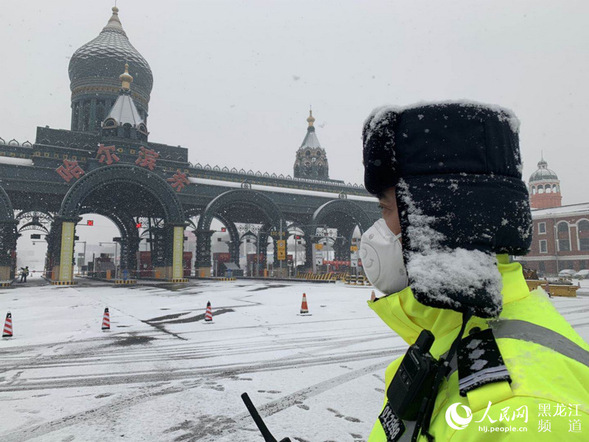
120, 192
241, 205
345, 216
92, 169
8, 237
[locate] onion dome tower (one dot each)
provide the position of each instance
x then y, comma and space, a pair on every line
544, 188
93, 72
311, 160
124, 120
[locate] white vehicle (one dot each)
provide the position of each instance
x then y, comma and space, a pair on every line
581, 274
566, 273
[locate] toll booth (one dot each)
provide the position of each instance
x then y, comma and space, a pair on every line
219, 261
104, 267
231, 270
146, 269
254, 260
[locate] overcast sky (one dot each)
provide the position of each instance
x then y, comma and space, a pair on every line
233, 80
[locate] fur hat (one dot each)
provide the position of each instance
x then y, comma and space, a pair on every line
461, 198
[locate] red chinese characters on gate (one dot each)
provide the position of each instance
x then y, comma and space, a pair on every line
179, 180
106, 154
69, 170
147, 158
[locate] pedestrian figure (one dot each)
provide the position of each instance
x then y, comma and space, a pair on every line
454, 208
22, 274
26, 272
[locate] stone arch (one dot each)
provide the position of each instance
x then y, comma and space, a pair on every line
135, 191
344, 215
8, 236
562, 226
241, 197
129, 243
34, 220
125, 224
295, 225
583, 225
342, 208
583, 234
233, 238
123, 174
6, 211
238, 199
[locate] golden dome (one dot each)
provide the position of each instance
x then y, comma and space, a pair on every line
126, 78
310, 120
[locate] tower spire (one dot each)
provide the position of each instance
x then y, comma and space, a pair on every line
126, 78
311, 119
114, 23
311, 160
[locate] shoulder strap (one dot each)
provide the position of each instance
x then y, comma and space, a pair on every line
527, 331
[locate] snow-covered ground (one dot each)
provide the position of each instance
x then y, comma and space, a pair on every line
163, 374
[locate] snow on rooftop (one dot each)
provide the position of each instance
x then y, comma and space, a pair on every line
16, 161
290, 191
310, 141
124, 111
572, 209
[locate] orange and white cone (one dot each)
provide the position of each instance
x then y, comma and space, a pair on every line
7, 333
106, 320
304, 306
209, 312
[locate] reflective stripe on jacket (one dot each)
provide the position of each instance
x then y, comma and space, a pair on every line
549, 382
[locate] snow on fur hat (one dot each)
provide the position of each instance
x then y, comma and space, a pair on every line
461, 198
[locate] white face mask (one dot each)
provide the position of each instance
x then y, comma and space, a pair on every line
382, 258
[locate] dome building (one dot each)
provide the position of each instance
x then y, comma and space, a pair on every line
311, 159
544, 188
94, 76
124, 119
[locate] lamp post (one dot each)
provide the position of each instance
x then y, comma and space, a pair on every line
296, 256
258, 253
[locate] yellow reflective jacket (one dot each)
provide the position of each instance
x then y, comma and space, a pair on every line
551, 389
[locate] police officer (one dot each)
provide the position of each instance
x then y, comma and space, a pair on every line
488, 359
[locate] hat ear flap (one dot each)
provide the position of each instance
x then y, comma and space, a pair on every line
380, 166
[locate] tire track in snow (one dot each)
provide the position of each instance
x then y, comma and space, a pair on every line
191, 351
275, 406
215, 371
113, 407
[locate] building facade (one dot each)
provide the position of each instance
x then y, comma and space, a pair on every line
544, 188
561, 233
108, 164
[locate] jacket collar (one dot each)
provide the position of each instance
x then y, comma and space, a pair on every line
407, 317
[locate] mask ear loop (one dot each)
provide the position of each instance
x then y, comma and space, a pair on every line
428, 402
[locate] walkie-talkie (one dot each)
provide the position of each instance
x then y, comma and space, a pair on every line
414, 378
259, 422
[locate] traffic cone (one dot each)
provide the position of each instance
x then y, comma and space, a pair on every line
304, 306
209, 312
7, 333
106, 320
